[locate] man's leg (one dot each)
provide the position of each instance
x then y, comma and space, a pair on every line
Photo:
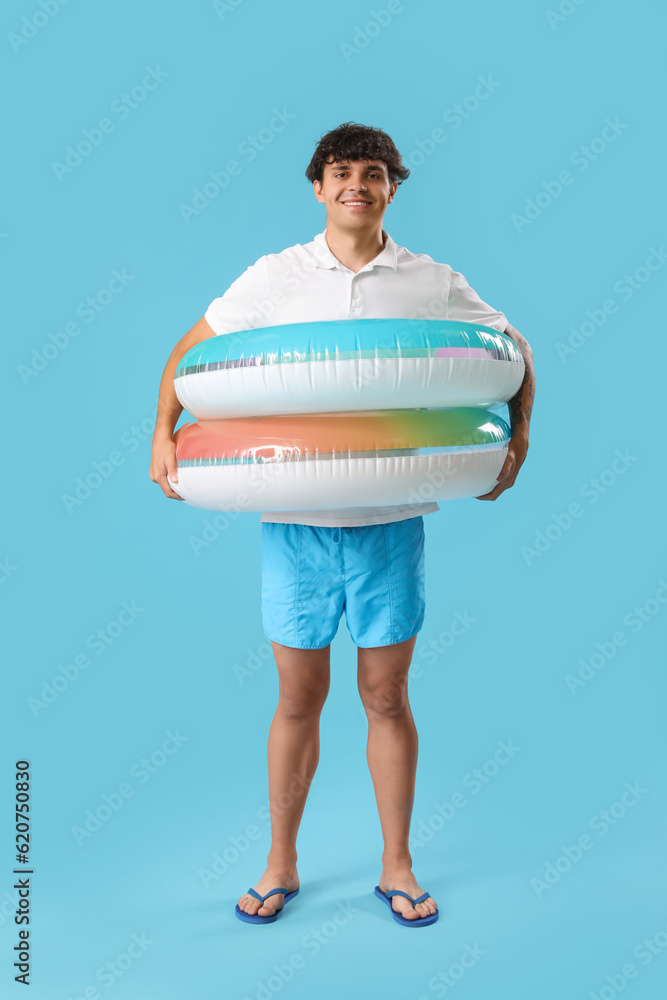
382, 675
293, 755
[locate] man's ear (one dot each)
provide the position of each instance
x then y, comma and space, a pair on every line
319, 190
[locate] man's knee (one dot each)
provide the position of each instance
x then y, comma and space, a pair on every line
388, 699
303, 702
304, 680
300, 709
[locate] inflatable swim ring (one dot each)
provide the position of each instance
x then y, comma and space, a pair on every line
342, 365
327, 461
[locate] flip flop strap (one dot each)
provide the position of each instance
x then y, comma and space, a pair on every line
399, 892
262, 898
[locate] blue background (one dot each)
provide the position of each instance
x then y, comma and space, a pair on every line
174, 666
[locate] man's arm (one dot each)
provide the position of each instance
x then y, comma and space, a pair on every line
520, 407
163, 454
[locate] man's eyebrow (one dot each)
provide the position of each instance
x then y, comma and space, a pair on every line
343, 163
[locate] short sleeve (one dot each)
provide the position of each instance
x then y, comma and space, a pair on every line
238, 308
464, 304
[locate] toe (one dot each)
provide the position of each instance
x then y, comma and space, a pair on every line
405, 908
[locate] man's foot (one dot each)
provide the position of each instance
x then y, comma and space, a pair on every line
286, 878
396, 878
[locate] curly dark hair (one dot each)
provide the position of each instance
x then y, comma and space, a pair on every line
351, 141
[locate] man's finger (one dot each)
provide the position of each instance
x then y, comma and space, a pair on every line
495, 492
170, 493
499, 488
506, 470
166, 488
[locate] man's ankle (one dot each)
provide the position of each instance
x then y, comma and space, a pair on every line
281, 859
397, 862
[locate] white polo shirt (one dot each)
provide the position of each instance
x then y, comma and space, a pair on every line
307, 283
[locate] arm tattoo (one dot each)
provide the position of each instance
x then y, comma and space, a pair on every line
520, 406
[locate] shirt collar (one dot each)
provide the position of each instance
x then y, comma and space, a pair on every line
325, 258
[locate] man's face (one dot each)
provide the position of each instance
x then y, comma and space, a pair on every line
346, 182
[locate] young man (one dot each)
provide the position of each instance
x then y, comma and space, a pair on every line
369, 561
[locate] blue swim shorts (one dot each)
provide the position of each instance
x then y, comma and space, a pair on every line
310, 575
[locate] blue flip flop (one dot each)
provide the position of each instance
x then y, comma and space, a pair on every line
254, 918
399, 918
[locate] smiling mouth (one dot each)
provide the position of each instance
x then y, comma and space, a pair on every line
356, 204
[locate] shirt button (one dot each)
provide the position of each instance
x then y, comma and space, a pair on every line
356, 295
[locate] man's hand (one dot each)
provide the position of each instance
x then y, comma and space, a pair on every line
163, 462
516, 455
520, 408
163, 455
